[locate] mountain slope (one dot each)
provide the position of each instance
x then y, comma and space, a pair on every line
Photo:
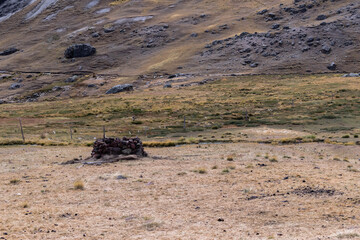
147, 39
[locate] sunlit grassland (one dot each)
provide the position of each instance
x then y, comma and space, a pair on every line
326, 103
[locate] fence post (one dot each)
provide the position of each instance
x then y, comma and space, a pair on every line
22, 132
184, 123
104, 135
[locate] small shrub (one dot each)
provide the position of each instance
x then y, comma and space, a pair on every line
225, 171
346, 136
14, 181
202, 171
230, 158
273, 159
215, 167
181, 174
79, 185
231, 167
249, 166
25, 205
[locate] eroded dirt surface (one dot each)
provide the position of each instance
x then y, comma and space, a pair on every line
306, 191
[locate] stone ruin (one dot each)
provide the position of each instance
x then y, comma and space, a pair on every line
109, 150
117, 146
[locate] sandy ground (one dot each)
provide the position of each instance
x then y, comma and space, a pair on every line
311, 192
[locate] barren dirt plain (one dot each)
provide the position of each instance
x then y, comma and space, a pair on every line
206, 191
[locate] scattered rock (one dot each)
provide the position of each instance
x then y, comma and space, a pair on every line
79, 50
14, 86
167, 85
3, 76
120, 88
109, 30
95, 35
321, 17
72, 79
254, 65
121, 177
314, 191
8, 51
275, 26
326, 49
29, 76
352, 75
262, 12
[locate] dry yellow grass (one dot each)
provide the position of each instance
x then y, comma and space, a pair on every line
297, 198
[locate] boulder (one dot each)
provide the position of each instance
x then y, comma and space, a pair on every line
79, 50
72, 79
262, 12
321, 17
326, 49
167, 85
95, 35
352, 75
14, 86
332, 66
120, 88
8, 51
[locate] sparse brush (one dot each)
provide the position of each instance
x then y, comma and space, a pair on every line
273, 159
14, 181
79, 185
25, 205
215, 167
348, 236
232, 167
230, 158
225, 170
181, 174
202, 171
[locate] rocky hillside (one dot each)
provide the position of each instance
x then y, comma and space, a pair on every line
145, 40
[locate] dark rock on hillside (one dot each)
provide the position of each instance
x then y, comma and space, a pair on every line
72, 79
321, 17
120, 88
9, 7
8, 51
326, 49
332, 66
95, 35
14, 86
79, 50
262, 12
